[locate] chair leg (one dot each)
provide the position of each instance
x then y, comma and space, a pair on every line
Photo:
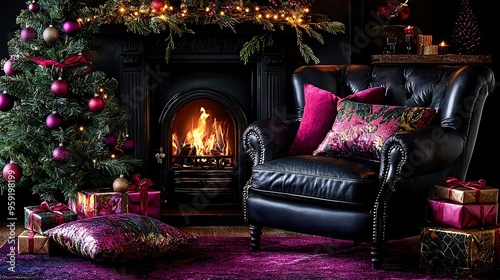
255, 234
377, 254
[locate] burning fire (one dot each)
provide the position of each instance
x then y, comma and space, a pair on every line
207, 137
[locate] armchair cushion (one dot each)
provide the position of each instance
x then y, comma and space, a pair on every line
320, 110
361, 129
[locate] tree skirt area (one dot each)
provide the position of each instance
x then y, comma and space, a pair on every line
301, 257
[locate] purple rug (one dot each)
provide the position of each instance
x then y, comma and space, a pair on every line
231, 258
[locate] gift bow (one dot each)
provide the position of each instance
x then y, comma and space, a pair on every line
70, 61
453, 182
141, 186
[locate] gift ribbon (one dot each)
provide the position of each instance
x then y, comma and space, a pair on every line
453, 182
45, 207
31, 242
141, 186
70, 61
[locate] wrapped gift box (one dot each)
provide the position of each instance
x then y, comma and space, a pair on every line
98, 202
467, 194
47, 215
462, 216
460, 251
149, 207
30, 242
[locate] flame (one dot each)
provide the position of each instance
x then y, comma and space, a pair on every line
204, 138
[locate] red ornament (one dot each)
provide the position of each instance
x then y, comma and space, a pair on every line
61, 154
34, 7
71, 27
96, 104
111, 141
53, 121
128, 145
157, 5
8, 68
12, 172
59, 88
28, 33
6, 102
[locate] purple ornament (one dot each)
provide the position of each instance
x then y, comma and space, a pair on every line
59, 88
61, 154
34, 7
53, 121
128, 145
96, 104
71, 26
8, 68
6, 102
28, 33
111, 141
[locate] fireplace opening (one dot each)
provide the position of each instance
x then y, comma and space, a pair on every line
202, 132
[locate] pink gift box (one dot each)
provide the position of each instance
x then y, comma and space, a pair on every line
153, 204
462, 216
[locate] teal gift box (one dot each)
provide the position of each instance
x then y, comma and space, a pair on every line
465, 252
42, 217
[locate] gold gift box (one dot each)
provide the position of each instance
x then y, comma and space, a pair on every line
467, 195
39, 246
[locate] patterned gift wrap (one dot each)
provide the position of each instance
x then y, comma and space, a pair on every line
462, 216
466, 192
47, 215
98, 202
30, 242
459, 251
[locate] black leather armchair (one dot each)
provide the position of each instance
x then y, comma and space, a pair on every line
390, 194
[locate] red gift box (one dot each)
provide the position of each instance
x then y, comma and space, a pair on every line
141, 199
462, 216
41, 217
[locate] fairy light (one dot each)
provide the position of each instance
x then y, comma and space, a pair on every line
81, 128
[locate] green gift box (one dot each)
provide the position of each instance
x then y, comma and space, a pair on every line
42, 217
460, 251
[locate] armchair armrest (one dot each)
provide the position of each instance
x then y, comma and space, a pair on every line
268, 139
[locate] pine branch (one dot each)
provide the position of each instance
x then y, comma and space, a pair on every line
255, 45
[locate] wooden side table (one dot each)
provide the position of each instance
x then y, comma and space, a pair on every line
430, 59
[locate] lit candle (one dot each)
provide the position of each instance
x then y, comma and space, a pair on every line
442, 48
409, 30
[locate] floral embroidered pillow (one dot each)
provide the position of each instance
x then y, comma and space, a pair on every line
119, 238
320, 110
361, 129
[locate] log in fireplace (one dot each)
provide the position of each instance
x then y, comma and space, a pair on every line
188, 115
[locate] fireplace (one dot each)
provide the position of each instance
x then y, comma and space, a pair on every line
204, 87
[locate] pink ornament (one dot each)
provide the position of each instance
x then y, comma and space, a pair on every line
53, 121
128, 145
71, 27
6, 102
61, 154
157, 5
111, 141
96, 104
28, 33
34, 7
59, 88
8, 68
12, 172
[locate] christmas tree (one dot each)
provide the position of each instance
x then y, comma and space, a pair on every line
61, 126
466, 36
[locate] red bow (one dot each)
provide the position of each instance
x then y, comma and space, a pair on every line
453, 182
56, 208
70, 61
141, 186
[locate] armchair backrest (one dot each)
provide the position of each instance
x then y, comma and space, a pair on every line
457, 92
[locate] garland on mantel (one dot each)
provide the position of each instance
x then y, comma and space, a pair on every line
156, 16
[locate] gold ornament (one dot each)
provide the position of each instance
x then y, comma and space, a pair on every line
120, 184
50, 35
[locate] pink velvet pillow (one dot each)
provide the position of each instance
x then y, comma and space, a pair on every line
320, 110
361, 129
